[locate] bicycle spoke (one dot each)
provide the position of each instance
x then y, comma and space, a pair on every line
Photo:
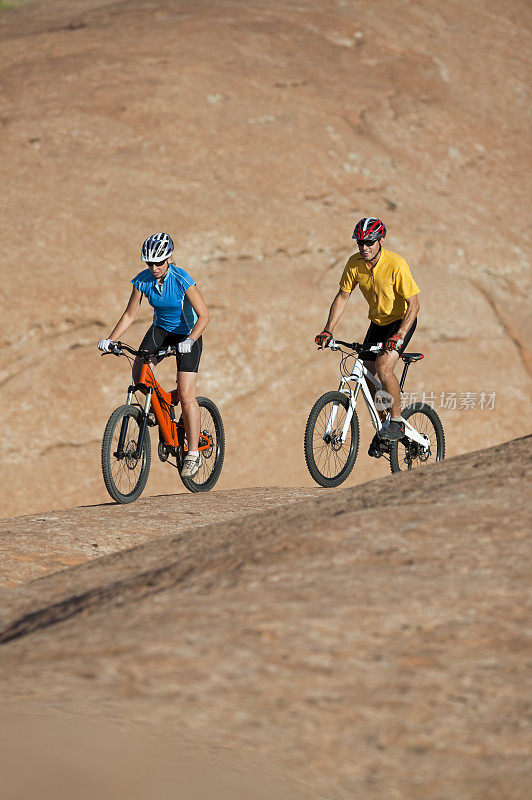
125, 476
207, 456
414, 456
126, 471
330, 458
212, 456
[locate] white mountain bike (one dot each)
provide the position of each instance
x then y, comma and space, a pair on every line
332, 431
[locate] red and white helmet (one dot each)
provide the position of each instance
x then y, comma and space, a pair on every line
369, 229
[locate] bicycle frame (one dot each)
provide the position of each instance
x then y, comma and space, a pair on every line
165, 419
360, 376
171, 433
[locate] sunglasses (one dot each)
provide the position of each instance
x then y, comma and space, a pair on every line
156, 263
366, 242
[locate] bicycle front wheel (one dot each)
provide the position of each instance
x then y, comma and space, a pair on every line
329, 460
124, 473
405, 454
212, 448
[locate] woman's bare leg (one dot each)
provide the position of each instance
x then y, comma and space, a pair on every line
136, 369
186, 385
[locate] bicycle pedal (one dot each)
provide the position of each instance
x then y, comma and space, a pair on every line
378, 447
374, 449
163, 451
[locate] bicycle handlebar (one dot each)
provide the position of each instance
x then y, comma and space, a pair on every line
334, 344
117, 349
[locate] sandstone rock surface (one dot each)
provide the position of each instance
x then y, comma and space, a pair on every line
370, 642
256, 133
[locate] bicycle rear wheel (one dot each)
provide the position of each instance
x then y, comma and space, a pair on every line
405, 454
212, 448
124, 474
329, 460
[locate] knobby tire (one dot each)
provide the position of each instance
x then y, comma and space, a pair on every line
330, 464
125, 478
428, 423
209, 472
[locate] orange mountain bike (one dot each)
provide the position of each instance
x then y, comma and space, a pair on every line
126, 444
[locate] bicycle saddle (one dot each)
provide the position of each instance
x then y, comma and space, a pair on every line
409, 357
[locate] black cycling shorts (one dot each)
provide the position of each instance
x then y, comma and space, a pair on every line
156, 338
380, 333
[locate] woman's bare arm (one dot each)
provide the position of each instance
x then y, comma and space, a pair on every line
200, 307
128, 317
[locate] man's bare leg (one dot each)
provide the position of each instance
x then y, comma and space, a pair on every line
383, 410
385, 365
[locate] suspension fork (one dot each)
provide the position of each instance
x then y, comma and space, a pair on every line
143, 424
332, 416
130, 392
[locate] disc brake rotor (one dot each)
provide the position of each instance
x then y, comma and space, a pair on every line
336, 440
415, 452
206, 438
129, 455
424, 455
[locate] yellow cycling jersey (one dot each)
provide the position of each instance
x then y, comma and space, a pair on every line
386, 287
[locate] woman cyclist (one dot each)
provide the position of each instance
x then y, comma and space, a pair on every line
180, 316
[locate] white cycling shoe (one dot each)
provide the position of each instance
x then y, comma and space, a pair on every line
191, 465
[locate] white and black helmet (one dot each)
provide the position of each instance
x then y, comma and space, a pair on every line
157, 247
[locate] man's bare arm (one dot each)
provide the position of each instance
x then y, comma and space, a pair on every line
411, 314
337, 309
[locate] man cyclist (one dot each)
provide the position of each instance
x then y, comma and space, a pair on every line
386, 282
180, 317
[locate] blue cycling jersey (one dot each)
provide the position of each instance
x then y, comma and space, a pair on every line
173, 310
